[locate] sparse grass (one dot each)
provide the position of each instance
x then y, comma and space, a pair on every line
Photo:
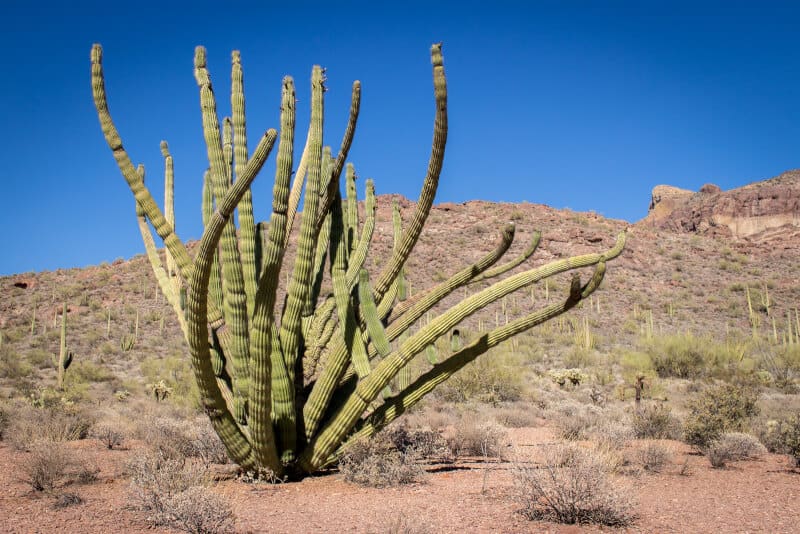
30, 425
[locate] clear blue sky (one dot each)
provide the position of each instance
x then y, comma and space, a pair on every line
585, 105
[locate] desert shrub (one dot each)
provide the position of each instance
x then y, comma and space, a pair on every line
783, 437
108, 434
156, 479
419, 442
84, 371
11, 365
45, 465
717, 410
653, 456
67, 499
612, 434
732, 447
491, 380
518, 415
677, 355
477, 438
198, 510
30, 425
655, 422
574, 421
5, 420
571, 486
176, 372
170, 437
206, 445
783, 366
376, 462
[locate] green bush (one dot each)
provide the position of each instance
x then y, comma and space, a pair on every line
783, 437
491, 380
679, 356
717, 410
655, 422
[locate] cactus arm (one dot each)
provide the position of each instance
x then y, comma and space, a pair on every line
215, 283
299, 285
397, 405
370, 313
297, 189
359, 254
225, 423
269, 377
247, 222
162, 276
430, 184
169, 214
323, 444
319, 269
500, 269
344, 149
220, 156
351, 220
348, 327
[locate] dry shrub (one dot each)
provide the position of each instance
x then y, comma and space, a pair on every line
30, 425
733, 447
108, 434
376, 462
477, 438
783, 437
612, 434
653, 456
156, 478
571, 486
655, 422
170, 437
518, 415
198, 510
206, 444
67, 499
574, 421
419, 442
45, 465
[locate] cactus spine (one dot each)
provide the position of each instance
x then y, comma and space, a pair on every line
286, 385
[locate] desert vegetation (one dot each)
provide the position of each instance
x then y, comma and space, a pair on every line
683, 365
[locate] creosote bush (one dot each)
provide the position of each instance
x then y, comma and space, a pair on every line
783, 437
45, 465
655, 421
571, 486
717, 410
198, 510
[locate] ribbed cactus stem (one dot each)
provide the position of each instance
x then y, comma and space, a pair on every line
64, 357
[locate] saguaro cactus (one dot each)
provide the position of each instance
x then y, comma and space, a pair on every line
286, 382
64, 359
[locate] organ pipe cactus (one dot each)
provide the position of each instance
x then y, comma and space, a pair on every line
287, 381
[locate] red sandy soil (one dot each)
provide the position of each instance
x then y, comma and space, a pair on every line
471, 496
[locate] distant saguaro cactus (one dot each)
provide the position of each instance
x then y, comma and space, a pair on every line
64, 359
286, 382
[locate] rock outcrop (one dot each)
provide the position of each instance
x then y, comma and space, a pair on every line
758, 209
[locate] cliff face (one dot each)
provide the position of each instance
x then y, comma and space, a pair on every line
756, 210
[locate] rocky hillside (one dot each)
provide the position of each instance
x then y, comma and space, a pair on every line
667, 281
760, 211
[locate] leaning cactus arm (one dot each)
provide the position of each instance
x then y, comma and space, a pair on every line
318, 450
412, 232
169, 213
264, 347
370, 313
225, 423
500, 269
297, 190
234, 296
247, 222
408, 311
167, 288
397, 405
215, 281
142, 194
347, 140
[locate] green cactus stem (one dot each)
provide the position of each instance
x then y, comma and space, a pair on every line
64, 356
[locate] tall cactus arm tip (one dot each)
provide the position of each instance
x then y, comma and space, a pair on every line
436, 55
97, 53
